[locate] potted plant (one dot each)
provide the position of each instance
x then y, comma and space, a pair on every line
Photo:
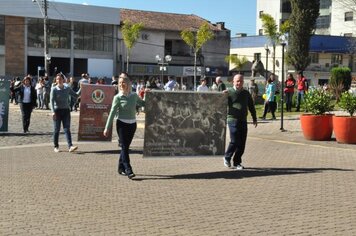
345, 126
317, 124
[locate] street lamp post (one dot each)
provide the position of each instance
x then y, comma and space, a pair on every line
283, 41
266, 69
163, 63
47, 57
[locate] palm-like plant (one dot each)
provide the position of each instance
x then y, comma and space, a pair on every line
130, 33
238, 62
196, 40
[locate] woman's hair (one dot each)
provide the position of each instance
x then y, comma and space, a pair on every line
27, 78
290, 75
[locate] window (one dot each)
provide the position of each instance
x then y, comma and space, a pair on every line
286, 7
349, 16
347, 34
168, 47
336, 59
314, 57
323, 22
2, 30
260, 32
35, 33
325, 4
257, 56
93, 37
261, 13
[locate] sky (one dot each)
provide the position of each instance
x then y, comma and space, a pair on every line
239, 15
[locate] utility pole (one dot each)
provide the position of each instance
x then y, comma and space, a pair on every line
47, 57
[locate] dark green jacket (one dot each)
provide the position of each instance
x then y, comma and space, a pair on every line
239, 101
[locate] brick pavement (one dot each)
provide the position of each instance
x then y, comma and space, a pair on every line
290, 187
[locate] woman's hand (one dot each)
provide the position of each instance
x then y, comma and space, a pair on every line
54, 117
105, 132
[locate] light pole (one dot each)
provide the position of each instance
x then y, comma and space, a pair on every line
163, 63
266, 69
47, 56
283, 41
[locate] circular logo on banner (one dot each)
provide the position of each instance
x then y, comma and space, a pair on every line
98, 96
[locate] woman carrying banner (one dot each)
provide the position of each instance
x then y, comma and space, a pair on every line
124, 110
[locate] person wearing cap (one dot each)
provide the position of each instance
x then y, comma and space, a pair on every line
203, 87
27, 98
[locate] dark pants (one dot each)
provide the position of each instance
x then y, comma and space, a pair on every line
126, 133
289, 99
26, 110
236, 148
270, 107
62, 116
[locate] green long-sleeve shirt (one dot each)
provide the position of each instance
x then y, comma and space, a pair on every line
239, 101
124, 107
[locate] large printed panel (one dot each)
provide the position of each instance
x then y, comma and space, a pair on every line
95, 105
4, 104
185, 124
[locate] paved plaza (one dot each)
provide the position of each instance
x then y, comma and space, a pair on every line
290, 186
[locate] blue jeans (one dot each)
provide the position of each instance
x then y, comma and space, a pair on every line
62, 116
126, 133
238, 136
300, 97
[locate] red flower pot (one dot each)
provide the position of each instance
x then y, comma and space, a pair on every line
317, 127
345, 129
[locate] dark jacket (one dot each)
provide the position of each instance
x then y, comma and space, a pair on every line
239, 103
19, 92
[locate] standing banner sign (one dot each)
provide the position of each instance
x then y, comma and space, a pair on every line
4, 103
185, 123
95, 105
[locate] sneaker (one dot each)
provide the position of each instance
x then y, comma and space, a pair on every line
227, 163
56, 149
239, 167
121, 171
130, 174
73, 148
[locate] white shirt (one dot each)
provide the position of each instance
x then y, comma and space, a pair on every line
26, 95
202, 88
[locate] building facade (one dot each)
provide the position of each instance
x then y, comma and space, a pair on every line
87, 39
337, 17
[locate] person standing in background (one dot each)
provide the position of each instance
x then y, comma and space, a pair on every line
289, 91
302, 87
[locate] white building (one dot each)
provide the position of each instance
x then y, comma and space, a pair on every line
337, 17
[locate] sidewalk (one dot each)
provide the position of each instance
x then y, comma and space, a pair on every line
290, 187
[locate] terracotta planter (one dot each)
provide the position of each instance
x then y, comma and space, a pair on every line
317, 127
345, 129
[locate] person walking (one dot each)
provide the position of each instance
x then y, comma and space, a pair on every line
124, 110
239, 103
289, 91
60, 106
270, 101
27, 98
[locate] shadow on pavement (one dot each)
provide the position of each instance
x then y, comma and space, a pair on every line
246, 173
26, 134
114, 151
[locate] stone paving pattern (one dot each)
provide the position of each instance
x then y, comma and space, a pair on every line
290, 186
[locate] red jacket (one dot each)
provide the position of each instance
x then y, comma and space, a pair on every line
290, 83
302, 84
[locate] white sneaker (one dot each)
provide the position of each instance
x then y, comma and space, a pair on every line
227, 163
56, 149
73, 148
239, 167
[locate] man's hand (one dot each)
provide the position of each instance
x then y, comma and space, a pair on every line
105, 132
255, 123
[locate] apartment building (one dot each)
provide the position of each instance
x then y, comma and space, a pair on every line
337, 17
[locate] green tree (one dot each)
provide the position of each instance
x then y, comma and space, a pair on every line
270, 29
303, 21
237, 61
130, 33
196, 40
